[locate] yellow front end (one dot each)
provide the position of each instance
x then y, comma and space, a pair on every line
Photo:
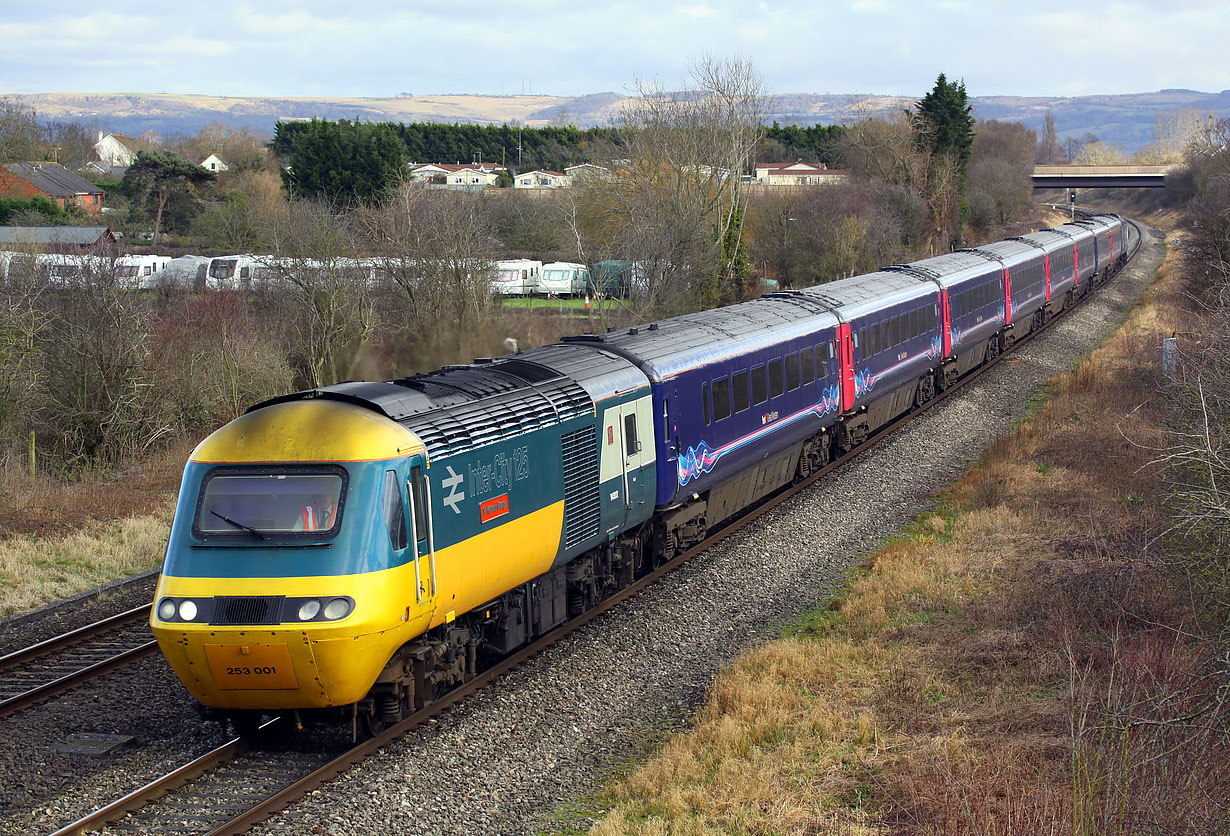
292, 666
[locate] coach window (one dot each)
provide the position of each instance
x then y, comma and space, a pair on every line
704, 399
760, 392
863, 342
777, 383
808, 356
739, 391
894, 330
792, 372
721, 399
884, 336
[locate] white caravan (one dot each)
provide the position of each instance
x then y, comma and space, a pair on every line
516, 277
141, 271
563, 278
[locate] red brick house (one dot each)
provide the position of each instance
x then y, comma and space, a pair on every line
52, 181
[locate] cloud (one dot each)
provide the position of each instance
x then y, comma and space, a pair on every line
696, 11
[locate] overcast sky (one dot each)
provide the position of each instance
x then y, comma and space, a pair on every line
568, 48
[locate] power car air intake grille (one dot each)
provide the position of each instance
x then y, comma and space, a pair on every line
263, 610
582, 505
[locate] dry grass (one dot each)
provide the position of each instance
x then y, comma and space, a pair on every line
35, 570
58, 539
966, 681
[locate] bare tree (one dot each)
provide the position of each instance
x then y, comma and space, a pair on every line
887, 150
675, 193
435, 248
22, 320
323, 296
999, 185
1173, 132
1048, 152
20, 133
94, 392
1101, 153
72, 143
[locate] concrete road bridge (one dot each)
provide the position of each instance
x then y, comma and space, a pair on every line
1100, 176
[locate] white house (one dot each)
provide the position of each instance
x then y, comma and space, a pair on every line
797, 174
540, 179
214, 163
472, 177
474, 174
115, 149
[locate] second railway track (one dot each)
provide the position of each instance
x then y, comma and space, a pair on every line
44, 670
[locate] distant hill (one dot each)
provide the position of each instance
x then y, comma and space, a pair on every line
1126, 120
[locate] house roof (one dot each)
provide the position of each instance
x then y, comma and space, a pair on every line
485, 168
52, 179
541, 171
127, 141
795, 166
80, 236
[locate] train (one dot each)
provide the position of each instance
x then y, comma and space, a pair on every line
355, 550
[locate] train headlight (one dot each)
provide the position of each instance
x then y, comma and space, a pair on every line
166, 609
337, 608
308, 609
187, 610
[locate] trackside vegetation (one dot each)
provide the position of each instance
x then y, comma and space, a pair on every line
1041, 654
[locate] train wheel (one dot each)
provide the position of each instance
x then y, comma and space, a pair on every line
992, 350
245, 723
370, 725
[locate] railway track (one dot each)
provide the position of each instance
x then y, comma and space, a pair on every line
236, 786
44, 670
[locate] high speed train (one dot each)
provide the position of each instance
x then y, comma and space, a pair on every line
358, 548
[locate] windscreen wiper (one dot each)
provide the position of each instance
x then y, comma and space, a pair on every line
247, 528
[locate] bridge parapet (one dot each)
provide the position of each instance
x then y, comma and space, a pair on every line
1110, 170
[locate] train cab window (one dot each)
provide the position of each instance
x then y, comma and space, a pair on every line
777, 383
721, 399
808, 357
264, 501
738, 386
760, 392
792, 372
394, 511
418, 493
704, 399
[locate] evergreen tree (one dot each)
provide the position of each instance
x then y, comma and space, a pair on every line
943, 126
342, 162
163, 185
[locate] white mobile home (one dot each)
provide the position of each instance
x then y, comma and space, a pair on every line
563, 278
141, 271
516, 277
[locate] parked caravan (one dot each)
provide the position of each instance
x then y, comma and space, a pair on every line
233, 272
187, 272
141, 271
564, 278
516, 277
